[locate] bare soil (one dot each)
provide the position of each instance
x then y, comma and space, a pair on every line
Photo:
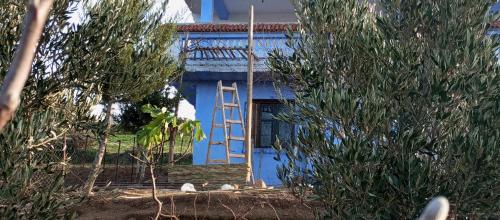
242, 204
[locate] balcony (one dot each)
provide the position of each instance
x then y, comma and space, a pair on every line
223, 47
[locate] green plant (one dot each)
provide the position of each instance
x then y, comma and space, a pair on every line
123, 50
31, 180
394, 106
132, 118
154, 133
31, 184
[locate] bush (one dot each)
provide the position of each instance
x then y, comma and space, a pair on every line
132, 118
31, 184
393, 108
53, 102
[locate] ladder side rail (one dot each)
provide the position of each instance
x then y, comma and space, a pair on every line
239, 111
231, 117
224, 123
212, 127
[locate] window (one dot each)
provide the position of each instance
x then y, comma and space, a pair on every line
267, 128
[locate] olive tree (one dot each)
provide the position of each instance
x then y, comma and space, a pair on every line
123, 50
31, 184
396, 103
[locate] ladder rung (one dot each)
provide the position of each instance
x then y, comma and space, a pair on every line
236, 138
231, 105
219, 125
217, 143
217, 161
227, 88
233, 121
237, 155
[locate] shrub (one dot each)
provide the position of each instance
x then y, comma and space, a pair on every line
396, 103
132, 118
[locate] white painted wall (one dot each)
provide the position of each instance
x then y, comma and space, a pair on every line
177, 11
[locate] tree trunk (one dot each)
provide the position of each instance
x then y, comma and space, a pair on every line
171, 145
142, 166
103, 140
173, 131
19, 69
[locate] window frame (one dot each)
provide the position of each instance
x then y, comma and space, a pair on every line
256, 121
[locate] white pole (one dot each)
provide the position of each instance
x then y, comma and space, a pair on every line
248, 134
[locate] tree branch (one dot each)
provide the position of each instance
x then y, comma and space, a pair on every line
10, 95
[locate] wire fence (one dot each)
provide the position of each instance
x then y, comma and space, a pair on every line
78, 152
75, 153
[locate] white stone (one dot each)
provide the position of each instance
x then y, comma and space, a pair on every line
188, 187
227, 187
437, 209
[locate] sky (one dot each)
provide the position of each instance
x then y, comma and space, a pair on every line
176, 11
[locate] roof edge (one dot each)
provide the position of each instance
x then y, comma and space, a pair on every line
237, 27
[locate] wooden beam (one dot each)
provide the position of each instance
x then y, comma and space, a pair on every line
248, 134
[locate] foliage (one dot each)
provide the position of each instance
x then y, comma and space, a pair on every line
31, 183
132, 118
154, 133
123, 49
51, 77
52, 103
394, 108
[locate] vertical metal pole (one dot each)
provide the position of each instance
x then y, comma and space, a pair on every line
133, 160
248, 134
85, 151
104, 158
160, 150
117, 159
65, 146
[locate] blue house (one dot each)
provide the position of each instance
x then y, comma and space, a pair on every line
217, 43
217, 50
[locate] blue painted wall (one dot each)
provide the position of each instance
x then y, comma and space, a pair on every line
264, 165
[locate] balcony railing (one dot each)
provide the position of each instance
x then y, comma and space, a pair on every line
227, 52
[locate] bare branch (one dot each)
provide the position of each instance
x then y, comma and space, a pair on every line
194, 205
228, 208
48, 140
10, 95
139, 159
272, 207
153, 191
244, 216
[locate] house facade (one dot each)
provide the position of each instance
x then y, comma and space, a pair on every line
217, 50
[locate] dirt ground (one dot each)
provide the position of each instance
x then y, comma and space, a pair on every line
244, 204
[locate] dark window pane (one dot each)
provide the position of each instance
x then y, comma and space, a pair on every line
266, 133
284, 133
267, 112
269, 128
